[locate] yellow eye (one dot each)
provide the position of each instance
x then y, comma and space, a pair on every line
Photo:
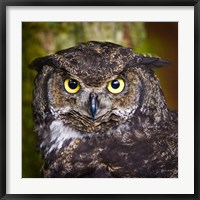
116, 86
72, 86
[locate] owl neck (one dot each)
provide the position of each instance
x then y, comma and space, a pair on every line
152, 102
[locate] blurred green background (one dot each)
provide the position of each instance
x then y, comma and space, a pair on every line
44, 38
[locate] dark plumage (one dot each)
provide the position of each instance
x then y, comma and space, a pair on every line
131, 133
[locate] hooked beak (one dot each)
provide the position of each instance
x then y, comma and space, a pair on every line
93, 105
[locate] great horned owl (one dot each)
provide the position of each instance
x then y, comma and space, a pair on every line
100, 112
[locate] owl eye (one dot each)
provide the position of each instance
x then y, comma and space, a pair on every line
116, 86
72, 86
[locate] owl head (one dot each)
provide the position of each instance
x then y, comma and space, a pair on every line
96, 86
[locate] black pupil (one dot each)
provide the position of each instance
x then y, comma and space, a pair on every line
73, 84
115, 84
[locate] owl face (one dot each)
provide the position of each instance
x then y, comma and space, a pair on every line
92, 87
70, 96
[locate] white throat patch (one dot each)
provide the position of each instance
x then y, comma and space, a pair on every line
60, 133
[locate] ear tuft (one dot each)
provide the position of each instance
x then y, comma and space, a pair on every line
148, 60
38, 63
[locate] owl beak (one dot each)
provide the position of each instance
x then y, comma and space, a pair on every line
93, 105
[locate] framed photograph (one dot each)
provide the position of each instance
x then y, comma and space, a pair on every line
99, 99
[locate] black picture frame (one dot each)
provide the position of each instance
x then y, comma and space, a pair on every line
5, 3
